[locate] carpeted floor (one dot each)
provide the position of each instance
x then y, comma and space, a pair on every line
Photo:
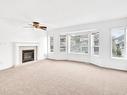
50, 77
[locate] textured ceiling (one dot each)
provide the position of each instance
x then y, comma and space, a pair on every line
61, 13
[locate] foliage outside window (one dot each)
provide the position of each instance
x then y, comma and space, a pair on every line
95, 43
79, 43
118, 42
51, 44
62, 43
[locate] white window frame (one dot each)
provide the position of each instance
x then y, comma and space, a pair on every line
77, 34
92, 45
50, 44
125, 42
65, 43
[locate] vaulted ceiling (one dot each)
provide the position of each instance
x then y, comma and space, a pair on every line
61, 13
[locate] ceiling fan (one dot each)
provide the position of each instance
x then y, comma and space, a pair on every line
37, 25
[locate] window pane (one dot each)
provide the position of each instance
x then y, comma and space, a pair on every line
51, 44
85, 49
79, 44
96, 39
62, 43
96, 50
95, 43
118, 42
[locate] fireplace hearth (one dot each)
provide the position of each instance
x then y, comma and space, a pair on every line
27, 55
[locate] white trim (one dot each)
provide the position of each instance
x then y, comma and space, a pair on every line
92, 46
79, 53
82, 31
119, 58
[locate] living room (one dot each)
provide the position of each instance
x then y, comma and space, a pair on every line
63, 47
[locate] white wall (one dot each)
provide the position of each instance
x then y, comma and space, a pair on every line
104, 59
9, 34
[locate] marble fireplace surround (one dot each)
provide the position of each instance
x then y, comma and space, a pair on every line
19, 46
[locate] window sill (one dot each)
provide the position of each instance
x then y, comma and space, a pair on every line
78, 53
117, 58
63, 52
95, 55
51, 52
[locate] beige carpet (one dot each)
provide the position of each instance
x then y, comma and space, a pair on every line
62, 78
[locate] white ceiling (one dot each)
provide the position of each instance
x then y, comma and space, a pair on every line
61, 13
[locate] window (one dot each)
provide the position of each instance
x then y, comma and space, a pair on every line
118, 42
62, 43
95, 43
79, 43
51, 44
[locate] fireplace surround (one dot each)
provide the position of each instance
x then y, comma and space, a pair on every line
25, 52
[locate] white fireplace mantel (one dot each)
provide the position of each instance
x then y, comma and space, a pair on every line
17, 46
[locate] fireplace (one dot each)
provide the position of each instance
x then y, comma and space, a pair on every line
26, 52
27, 55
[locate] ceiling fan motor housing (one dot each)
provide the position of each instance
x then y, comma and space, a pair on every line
36, 24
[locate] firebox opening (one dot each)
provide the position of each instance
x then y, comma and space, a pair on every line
27, 55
